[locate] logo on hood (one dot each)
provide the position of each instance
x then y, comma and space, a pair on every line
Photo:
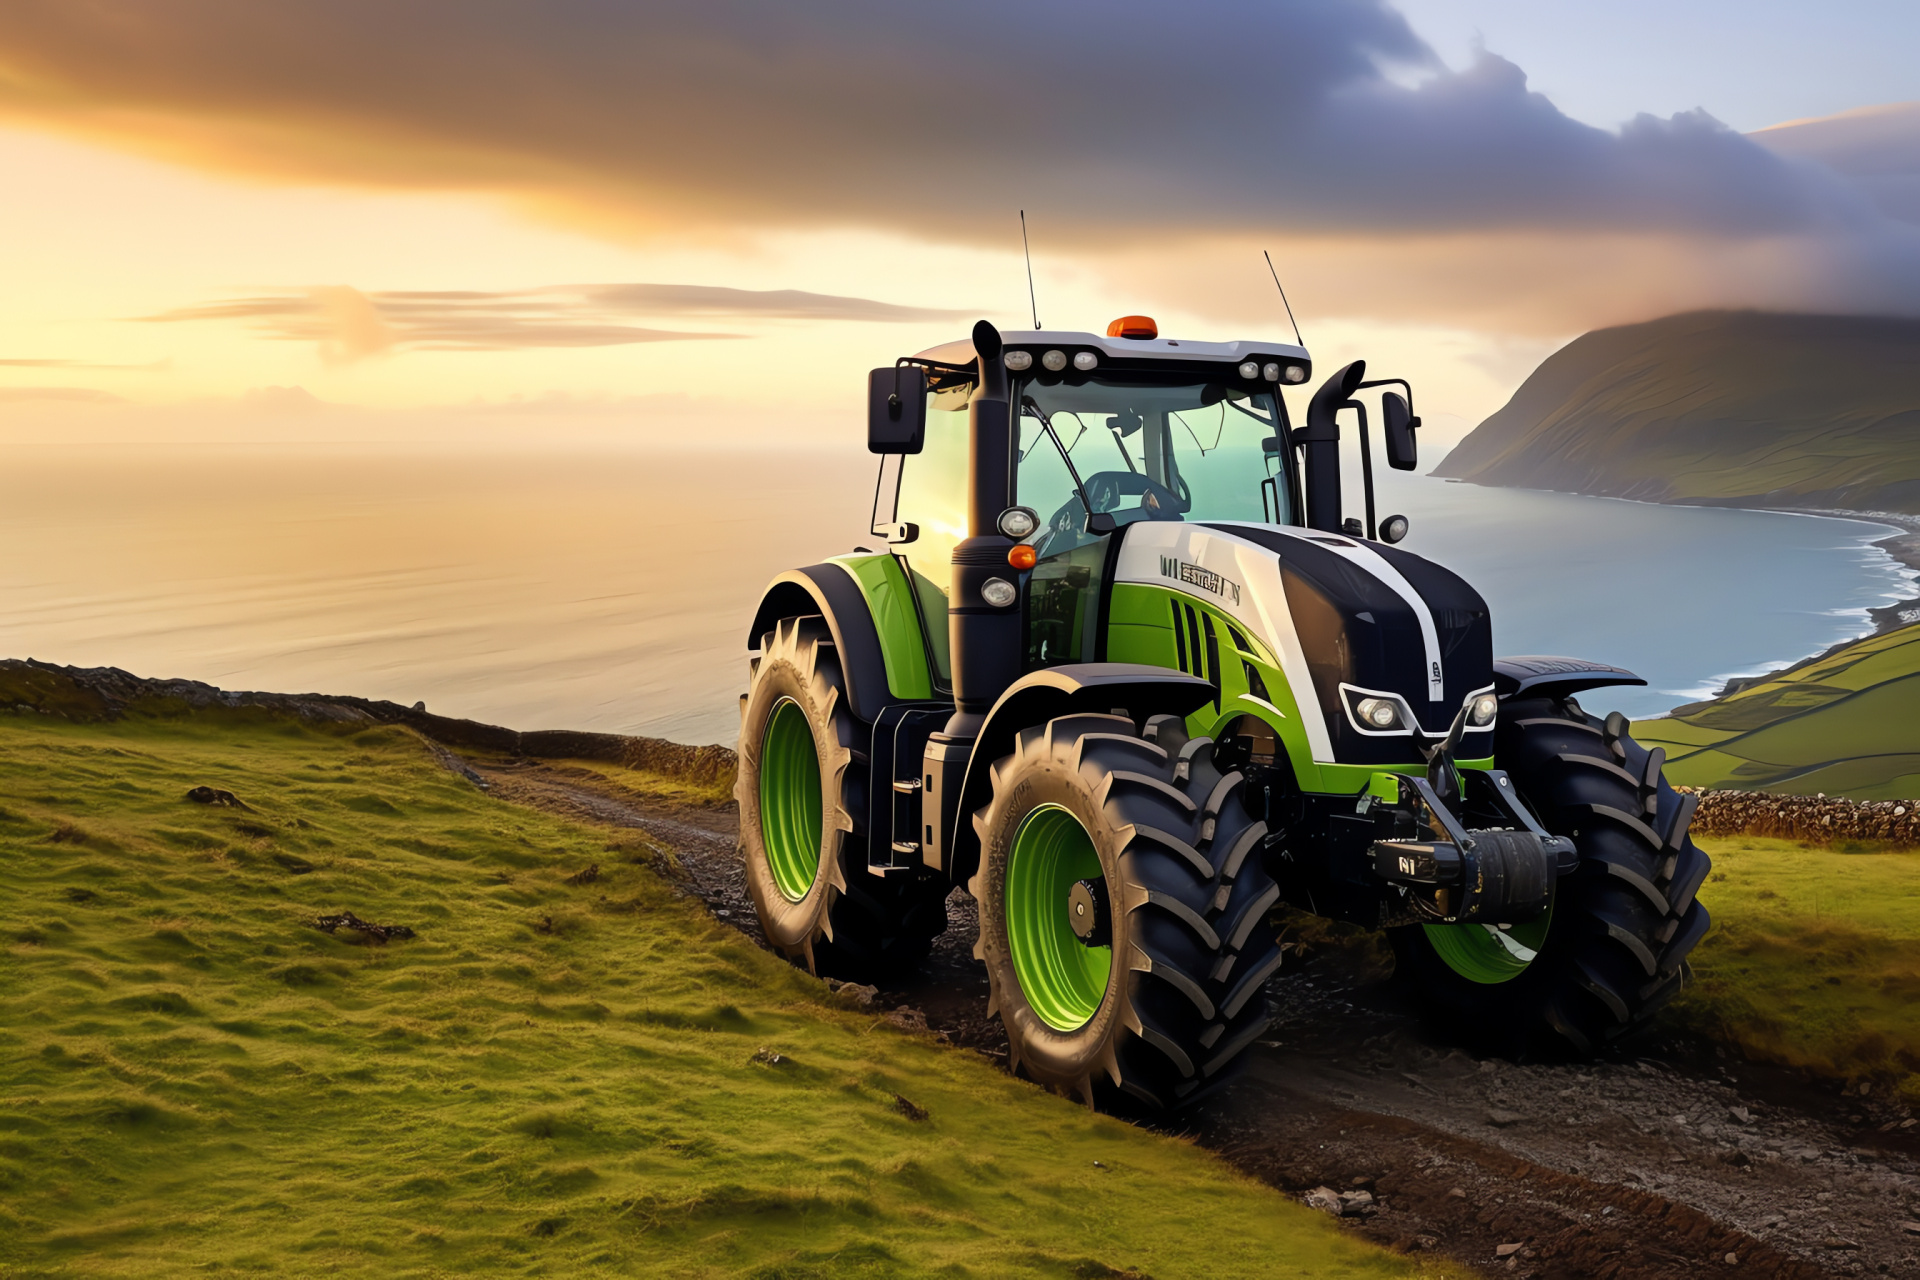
1205, 579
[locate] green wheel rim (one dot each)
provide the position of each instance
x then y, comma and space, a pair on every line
1484, 954
790, 816
1062, 980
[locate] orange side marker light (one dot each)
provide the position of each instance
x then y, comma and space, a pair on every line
1023, 556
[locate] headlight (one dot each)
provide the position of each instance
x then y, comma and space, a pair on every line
1018, 360
1250, 370
1485, 708
998, 592
1378, 713
1085, 360
1018, 522
1271, 373
1054, 360
1295, 373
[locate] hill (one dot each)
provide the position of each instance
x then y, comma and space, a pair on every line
568, 1068
1722, 408
1842, 723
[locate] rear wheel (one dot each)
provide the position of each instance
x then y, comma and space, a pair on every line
1612, 947
1122, 910
802, 791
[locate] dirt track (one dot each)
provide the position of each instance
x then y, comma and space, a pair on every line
1656, 1165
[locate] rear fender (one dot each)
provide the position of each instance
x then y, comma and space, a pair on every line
830, 591
1142, 691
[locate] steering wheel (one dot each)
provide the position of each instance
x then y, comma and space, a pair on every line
1108, 491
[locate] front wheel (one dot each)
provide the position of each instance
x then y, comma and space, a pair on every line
1123, 908
1611, 948
802, 791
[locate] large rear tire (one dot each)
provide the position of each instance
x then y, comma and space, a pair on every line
802, 792
1613, 946
1169, 986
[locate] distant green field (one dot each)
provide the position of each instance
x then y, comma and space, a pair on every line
552, 1078
1847, 724
1813, 960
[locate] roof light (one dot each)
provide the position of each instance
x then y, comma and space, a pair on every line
1250, 370
1271, 373
1085, 360
1295, 373
1133, 327
1018, 360
1054, 360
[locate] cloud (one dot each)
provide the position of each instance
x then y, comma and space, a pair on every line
1875, 148
1120, 125
38, 363
350, 325
78, 395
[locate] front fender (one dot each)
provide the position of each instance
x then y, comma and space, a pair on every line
1143, 691
828, 590
1540, 675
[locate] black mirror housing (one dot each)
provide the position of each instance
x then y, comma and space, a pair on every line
1399, 425
896, 410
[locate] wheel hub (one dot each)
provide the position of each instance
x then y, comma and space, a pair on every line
1089, 914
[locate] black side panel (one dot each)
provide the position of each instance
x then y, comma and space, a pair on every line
829, 590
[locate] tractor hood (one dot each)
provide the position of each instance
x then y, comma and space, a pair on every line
1350, 619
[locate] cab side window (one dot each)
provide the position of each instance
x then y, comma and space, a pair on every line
933, 496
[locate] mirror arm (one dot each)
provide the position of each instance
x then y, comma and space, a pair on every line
1394, 382
1366, 466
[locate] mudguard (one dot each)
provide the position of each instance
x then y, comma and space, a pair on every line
1143, 691
1541, 675
828, 590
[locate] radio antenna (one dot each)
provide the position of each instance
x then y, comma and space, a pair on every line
1029, 252
1283, 298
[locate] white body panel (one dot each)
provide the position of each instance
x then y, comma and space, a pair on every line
1242, 579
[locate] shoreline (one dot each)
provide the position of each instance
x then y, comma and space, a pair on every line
1902, 548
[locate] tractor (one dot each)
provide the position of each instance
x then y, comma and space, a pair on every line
1127, 673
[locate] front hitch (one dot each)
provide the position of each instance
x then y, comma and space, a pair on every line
1497, 875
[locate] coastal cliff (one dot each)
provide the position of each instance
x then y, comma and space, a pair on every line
1717, 408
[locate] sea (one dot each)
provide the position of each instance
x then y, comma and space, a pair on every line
613, 590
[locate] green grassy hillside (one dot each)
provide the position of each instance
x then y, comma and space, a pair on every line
1814, 958
1846, 723
567, 1071
1719, 407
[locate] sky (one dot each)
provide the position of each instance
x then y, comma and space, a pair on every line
681, 224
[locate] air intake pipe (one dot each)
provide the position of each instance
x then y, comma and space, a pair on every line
1321, 438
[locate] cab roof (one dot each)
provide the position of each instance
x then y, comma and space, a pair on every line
1036, 340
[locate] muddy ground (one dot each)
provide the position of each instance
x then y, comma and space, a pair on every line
1665, 1159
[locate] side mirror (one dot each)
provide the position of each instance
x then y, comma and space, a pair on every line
1399, 424
896, 410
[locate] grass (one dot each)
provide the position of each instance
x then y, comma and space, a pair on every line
1814, 958
1842, 724
561, 1074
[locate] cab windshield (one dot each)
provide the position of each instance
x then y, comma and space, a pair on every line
1149, 450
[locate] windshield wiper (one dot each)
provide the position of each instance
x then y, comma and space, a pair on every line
1027, 405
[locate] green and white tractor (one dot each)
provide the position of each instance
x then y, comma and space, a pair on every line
1127, 674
